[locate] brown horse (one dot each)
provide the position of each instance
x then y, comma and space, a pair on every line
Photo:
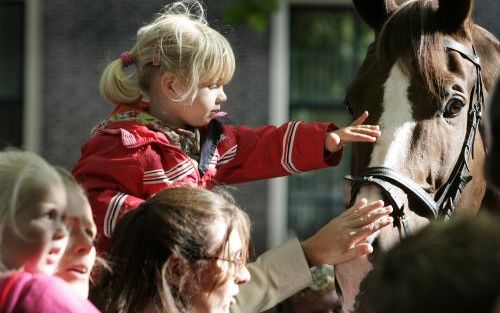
423, 81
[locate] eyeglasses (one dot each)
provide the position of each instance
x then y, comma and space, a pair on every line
236, 262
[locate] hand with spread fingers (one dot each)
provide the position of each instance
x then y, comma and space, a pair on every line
344, 237
356, 132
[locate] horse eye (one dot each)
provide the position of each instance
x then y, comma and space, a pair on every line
453, 107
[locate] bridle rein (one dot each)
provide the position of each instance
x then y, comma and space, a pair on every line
445, 200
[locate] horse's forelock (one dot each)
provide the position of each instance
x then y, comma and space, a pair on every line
412, 37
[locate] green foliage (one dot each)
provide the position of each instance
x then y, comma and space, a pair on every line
254, 13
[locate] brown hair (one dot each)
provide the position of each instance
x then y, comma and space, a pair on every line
447, 267
412, 34
175, 222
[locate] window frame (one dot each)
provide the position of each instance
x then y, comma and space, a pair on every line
279, 108
33, 96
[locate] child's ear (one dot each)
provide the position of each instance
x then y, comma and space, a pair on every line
167, 85
175, 270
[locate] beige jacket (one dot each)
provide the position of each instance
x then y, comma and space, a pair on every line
276, 275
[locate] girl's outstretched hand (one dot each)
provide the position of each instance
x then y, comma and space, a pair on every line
345, 237
357, 132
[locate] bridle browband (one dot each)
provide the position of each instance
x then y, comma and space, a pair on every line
445, 200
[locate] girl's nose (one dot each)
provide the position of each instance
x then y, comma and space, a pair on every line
221, 96
83, 243
243, 276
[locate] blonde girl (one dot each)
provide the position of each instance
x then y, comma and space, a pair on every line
167, 128
33, 237
33, 234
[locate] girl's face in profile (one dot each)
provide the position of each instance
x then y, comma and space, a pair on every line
76, 264
38, 242
215, 296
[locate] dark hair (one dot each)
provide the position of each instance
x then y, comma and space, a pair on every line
175, 222
447, 267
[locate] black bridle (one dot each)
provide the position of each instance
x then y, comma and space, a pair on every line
445, 200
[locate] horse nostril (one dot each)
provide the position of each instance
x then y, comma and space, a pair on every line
429, 179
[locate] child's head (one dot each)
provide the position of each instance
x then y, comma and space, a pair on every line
184, 249
80, 255
177, 49
33, 234
448, 266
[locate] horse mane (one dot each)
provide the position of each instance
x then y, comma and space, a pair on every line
488, 48
413, 37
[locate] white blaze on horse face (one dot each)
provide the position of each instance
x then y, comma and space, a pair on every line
396, 122
397, 125
390, 150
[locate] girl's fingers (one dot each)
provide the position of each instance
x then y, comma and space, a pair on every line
355, 211
361, 233
370, 217
357, 135
360, 119
362, 207
374, 127
360, 138
374, 132
358, 250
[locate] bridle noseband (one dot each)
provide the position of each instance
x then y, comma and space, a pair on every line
445, 200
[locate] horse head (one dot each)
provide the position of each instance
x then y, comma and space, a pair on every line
423, 81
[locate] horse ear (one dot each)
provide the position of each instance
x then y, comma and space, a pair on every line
375, 12
452, 14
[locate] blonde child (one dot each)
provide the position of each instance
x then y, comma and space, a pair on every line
33, 237
78, 260
167, 127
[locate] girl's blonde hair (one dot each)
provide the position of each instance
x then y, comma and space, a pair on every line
176, 222
24, 180
179, 41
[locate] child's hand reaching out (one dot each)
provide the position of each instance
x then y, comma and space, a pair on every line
355, 132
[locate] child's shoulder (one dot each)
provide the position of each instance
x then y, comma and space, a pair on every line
129, 133
23, 284
42, 293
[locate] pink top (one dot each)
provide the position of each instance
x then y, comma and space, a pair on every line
37, 293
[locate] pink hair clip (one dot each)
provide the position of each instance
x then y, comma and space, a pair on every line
156, 56
126, 58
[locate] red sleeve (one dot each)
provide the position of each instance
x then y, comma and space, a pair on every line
270, 151
117, 179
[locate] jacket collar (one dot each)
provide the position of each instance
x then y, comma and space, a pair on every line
187, 140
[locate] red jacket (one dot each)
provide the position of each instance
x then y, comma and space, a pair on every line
128, 160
